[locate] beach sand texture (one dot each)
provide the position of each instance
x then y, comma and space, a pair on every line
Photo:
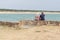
30, 33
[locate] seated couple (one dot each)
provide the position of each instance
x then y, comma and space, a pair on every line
40, 17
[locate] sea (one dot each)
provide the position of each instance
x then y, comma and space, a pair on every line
18, 17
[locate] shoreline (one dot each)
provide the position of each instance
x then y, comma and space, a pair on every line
29, 12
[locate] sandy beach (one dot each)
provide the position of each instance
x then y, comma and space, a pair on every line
44, 32
30, 33
7, 12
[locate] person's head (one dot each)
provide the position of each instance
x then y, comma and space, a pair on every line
42, 13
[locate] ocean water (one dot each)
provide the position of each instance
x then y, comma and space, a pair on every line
53, 17
18, 17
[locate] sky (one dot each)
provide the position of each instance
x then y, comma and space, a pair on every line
30, 4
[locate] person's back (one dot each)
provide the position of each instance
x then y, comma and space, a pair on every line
42, 16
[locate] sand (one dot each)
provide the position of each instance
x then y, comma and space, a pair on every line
7, 12
30, 33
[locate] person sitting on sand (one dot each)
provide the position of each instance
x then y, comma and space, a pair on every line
37, 17
42, 16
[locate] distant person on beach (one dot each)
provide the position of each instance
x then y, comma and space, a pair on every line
42, 16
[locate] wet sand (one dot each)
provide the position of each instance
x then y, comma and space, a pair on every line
30, 33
